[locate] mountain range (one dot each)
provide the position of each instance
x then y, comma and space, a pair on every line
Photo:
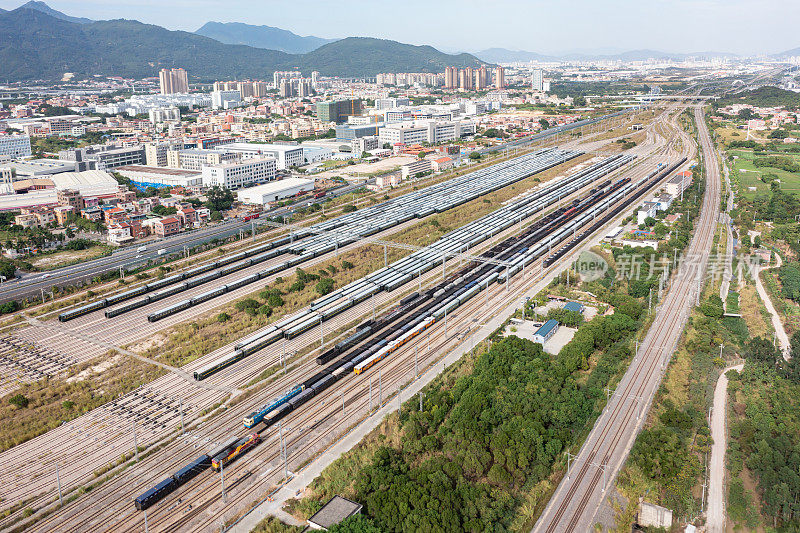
38, 42
502, 55
267, 37
38, 45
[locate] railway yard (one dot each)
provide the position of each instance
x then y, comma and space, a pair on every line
387, 325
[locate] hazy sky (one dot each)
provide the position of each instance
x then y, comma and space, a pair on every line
546, 26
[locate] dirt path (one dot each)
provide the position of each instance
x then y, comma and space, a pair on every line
715, 522
783, 338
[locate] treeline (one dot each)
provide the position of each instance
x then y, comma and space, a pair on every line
764, 430
762, 97
774, 161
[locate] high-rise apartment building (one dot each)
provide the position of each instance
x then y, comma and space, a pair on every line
537, 80
500, 78
314, 79
281, 75
450, 78
466, 79
338, 110
481, 78
173, 81
285, 88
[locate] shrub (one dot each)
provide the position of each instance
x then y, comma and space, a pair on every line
275, 300
247, 303
265, 310
19, 400
349, 208
325, 286
68, 405
223, 317
347, 265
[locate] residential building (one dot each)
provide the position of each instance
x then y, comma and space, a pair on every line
16, 146
72, 198
450, 78
466, 79
119, 233
238, 175
163, 114
547, 330
415, 168
481, 78
338, 110
537, 80
155, 153
166, 226
63, 214
274, 191
499, 78
173, 81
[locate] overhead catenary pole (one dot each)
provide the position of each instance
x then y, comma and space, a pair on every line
181, 407
58, 480
135, 444
222, 479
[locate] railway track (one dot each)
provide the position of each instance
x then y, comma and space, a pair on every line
577, 498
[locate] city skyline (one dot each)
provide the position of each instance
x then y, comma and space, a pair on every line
684, 26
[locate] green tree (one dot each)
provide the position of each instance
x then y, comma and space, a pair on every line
219, 198
325, 286
19, 400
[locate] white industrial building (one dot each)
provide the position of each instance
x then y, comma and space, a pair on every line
287, 155
428, 131
238, 175
225, 99
16, 146
274, 191
158, 177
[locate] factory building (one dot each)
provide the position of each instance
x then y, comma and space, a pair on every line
274, 191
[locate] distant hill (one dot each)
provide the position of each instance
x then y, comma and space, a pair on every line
366, 56
502, 55
266, 37
788, 53
35, 45
44, 8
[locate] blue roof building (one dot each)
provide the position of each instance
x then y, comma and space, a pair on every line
574, 306
547, 330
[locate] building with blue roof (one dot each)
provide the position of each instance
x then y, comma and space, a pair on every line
548, 329
574, 306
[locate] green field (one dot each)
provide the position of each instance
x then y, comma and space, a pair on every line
750, 175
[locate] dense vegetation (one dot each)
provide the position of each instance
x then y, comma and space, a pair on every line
764, 433
762, 97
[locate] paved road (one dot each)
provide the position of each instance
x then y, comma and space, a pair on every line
715, 521
577, 499
32, 285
